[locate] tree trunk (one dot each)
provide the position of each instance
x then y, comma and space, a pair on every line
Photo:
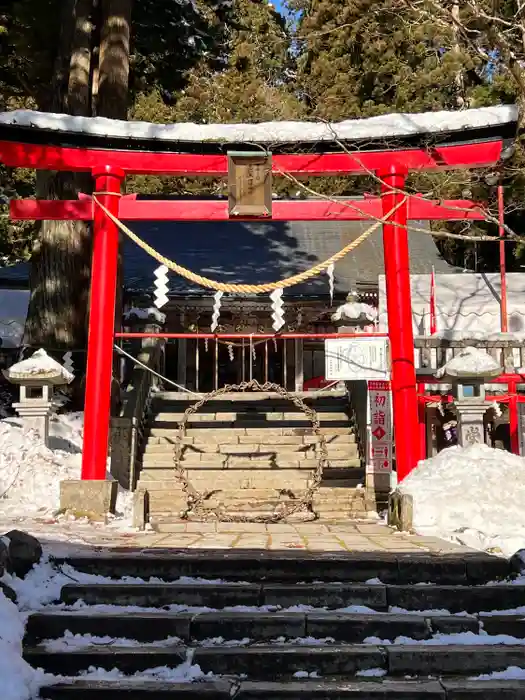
113, 79
113, 91
60, 264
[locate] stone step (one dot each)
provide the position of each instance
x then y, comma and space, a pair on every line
252, 407
319, 689
212, 438
223, 416
279, 661
337, 451
325, 494
173, 502
149, 626
305, 426
390, 567
216, 432
196, 462
221, 479
255, 396
330, 595
137, 689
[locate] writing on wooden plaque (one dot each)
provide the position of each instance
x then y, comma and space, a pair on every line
250, 184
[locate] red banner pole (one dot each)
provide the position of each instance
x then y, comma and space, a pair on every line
99, 375
399, 309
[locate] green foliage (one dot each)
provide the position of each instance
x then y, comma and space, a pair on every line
240, 60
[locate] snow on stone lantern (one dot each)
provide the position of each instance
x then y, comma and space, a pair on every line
468, 372
37, 377
354, 316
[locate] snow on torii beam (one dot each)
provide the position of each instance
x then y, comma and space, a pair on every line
388, 147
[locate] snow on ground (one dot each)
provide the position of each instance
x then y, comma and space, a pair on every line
19, 680
274, 132
30, 472
474, 496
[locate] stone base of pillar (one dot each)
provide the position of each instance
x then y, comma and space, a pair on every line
140, 509
401, 511
88, 498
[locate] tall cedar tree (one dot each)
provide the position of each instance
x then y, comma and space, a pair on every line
73, 56
247, 81
361, 58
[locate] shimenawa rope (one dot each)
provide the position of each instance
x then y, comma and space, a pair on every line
246, 288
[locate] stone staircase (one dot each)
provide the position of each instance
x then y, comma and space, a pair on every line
331, 626
253, 451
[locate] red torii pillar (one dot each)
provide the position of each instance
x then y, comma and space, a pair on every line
399, 309
99, 375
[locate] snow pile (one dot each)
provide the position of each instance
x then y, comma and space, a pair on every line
470, 362
30, 472
472, 495
19, 680
40, 366
381, 126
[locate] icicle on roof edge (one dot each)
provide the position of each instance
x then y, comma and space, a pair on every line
389, 125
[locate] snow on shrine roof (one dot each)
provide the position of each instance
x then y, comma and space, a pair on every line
256, 252
388, 126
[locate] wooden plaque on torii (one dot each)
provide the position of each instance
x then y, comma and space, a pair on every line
249, 184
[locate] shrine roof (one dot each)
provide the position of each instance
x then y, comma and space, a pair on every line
260, 252
373, 133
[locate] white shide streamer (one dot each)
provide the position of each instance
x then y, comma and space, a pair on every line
216, 310
161, 286
330, 272
277, 309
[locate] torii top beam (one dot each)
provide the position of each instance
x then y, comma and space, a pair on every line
428, 141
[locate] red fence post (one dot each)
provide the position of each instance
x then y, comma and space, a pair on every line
399, 308
422, 417
512, 388
99, 375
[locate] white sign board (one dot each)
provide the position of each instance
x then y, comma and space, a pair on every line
380, 444
356, 359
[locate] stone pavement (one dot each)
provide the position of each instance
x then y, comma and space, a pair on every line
312, 537
355, 536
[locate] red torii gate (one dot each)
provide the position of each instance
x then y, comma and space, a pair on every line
109, 168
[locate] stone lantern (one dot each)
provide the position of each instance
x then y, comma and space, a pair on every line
37, 377
354, 316
468, 373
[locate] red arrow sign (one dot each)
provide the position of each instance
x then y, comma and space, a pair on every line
379, 433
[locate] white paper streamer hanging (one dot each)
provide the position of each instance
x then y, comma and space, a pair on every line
206, 344
230, 352
161, 286
277, 309
68, 362
330, 272
216, 310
